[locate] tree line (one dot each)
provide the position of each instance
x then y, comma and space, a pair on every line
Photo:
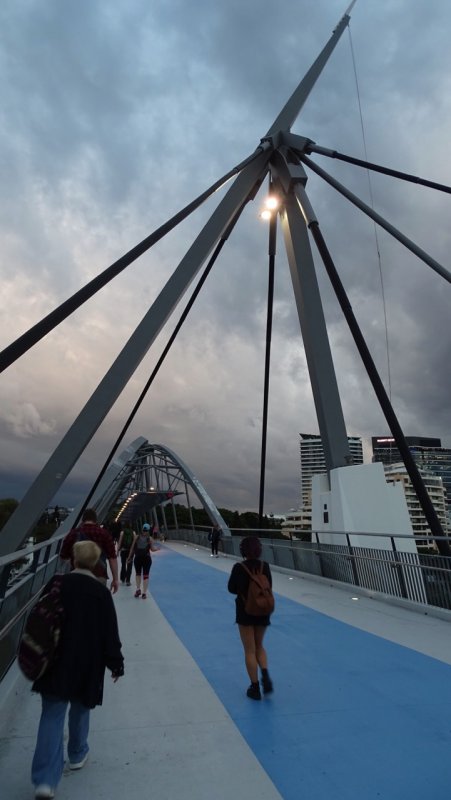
248, 520
233, 519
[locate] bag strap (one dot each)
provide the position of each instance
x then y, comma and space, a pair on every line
251, 574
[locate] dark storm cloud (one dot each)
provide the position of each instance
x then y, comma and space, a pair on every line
113, 117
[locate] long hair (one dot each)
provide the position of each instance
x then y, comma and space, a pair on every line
250, 547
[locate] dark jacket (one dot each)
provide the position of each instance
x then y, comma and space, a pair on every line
215, 535
238, 584
89, 643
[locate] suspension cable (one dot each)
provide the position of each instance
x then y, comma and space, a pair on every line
269, 318
27, 340
431, 262
311, 147
376, 237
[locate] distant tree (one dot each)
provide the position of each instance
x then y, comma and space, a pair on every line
183, 517
200, 516
227, 515
236, 520
249, 520
44, 529
233, 519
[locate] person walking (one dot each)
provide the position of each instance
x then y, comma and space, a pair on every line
115, 529
124, 544
140, 551
90, 530
252, 628
215, 537
89, 644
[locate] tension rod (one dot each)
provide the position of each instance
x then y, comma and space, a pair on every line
269, 317
431, 262
394, 173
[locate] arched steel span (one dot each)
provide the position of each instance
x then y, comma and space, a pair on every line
153, 470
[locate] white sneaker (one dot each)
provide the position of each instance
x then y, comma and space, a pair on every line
78, 764
43, 791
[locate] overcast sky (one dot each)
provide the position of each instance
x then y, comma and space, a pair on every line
113, 117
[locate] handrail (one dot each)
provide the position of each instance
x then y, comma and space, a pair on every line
19, 594
9, 625
376, 559
422, 578
29, 550
256, 531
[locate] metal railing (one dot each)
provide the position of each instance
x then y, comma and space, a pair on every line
23, 574
420, 577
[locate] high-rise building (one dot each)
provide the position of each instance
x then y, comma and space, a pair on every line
385, 448
396, 473
313, 463
427, 452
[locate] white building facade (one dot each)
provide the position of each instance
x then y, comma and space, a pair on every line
298, 523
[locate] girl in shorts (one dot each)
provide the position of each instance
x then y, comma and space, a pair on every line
141, 548
252, 629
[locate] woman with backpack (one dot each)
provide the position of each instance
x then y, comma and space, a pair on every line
88, 645
124, 544
141, 548
251, 581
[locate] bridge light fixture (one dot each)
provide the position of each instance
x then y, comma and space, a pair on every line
272, 203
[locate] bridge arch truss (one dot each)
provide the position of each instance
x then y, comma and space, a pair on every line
145, 477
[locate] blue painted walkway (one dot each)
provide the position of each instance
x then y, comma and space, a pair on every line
353, 716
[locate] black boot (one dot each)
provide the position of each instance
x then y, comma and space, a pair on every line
266, 682
254, 691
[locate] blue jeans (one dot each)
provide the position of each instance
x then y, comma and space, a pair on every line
48, 759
